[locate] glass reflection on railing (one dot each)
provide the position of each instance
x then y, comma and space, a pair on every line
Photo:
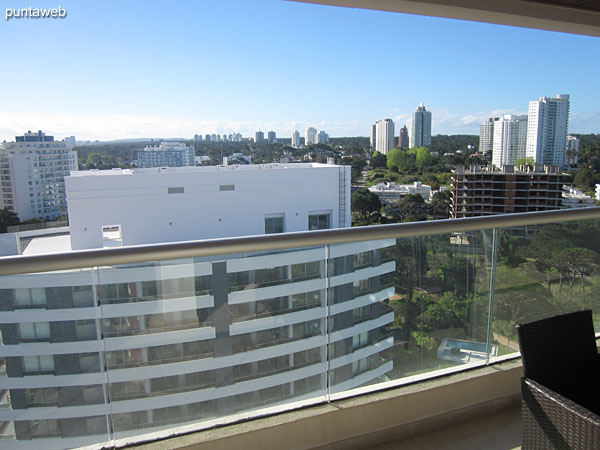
92, 356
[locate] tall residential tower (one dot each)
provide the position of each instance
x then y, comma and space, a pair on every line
403, 141
295, 139
420, 129
548, 122
311, 136
384, 133
486, 136
510, 137
32, 173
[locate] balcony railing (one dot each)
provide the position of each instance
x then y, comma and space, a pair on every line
439, 293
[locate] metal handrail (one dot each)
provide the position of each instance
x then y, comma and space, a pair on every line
23, 264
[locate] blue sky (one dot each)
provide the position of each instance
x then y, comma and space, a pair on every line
125, 69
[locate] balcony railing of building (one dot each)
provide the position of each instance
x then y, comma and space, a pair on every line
113, 346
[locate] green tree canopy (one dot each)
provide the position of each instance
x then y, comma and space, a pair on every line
378, 160
423, 158
529, 161
94, 158
365, 204
7, 219
440, 204
412, 208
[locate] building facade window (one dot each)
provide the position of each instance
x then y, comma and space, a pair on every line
319, 221
359, 366
34, 331
38, 364
30, 297
274, 225
360, 340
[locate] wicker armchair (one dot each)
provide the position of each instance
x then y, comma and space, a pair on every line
561, 387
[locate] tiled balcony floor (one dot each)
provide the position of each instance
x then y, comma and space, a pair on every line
498, 431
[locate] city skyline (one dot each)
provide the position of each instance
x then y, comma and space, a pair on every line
229, 74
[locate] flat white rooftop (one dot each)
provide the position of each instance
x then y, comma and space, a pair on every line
199, 169
48, 244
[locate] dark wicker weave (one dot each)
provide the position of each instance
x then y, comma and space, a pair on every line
561, 387
551, 421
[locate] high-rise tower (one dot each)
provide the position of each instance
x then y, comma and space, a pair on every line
548, 123
420, 129
384, 136
311, 136
486, 136
295, 139
403, 140
510, 137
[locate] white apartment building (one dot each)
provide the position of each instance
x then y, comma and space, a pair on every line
575, 198
322, 137
311, 136
32, 171
390, 192
510, 139
373, 136
548, 123
166, 154
420, 128
169, 343
70, 142
384, 135
573, 143
295, 139
486, 136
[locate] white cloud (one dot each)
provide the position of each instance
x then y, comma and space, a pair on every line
118, 126
445, 122
584, 122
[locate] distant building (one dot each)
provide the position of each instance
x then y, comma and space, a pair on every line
572, 156
574, 198
390, 193
311, 136
373, 136
198, 137
271, 137
488, 191
208, 138
70, 142
420, 128
295, 139
237, 158
510, 139
384, 136
548, 123
259, 136
486, 136
203, 160
403, 140
32, 173
322, 137
167, 154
